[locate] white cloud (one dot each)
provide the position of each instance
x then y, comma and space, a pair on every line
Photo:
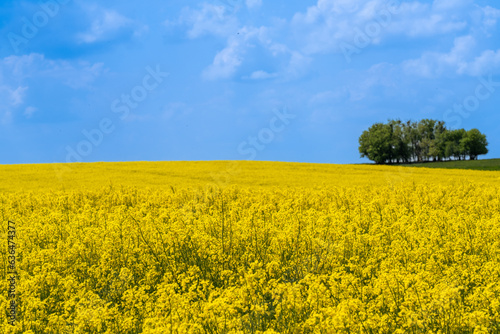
12, 90
5, 116
29, 111
216, 20
329, 97
298, 65
262, 75
490, 16
441, 96
451, 5
15, 71
462, 59
488, 62
226, 62
79, 75
431, 25
487, 19
432, 64
229, 60
176, 109
322, 28
329, 24
11, 98
253, 3
209, 20
76, 75
107, 24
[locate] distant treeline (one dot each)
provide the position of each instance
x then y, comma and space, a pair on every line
426, 140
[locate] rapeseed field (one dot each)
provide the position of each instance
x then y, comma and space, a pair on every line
250, 247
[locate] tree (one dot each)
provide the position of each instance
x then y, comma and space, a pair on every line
474, 144
414, 138
426, 130
401, 149
375, 144
427, 139
454, 148
438, 145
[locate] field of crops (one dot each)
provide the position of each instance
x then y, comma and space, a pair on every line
250, 247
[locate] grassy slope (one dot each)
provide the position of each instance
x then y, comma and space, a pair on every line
164, 175
488, 164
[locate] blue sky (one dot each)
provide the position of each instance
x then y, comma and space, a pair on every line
238, 80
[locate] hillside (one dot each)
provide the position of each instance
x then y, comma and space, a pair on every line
270, 248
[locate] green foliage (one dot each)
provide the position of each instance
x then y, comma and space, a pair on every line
426, 140
474, 144
376, 143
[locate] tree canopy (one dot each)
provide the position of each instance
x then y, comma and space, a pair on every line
426, 140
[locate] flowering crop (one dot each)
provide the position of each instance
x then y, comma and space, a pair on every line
404, 257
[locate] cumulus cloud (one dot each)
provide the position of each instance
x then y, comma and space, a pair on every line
29, 111
486, 63
253, 3
176, 109
486, 20
208, 20
11, 97
460, 60
16, 71
322, 27
79, 74
298, 65
330, 23
329, 97
262, 75
447, 5
431, 64
107, 25
218, 21
226, 62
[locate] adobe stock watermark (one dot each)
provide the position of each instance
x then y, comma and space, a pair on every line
121, 107
395, 175
372, 29
484, 90
31, 26
250, 147
254, 144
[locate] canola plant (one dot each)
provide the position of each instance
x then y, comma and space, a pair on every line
273, 248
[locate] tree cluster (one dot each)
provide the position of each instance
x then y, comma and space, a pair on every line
426, 140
